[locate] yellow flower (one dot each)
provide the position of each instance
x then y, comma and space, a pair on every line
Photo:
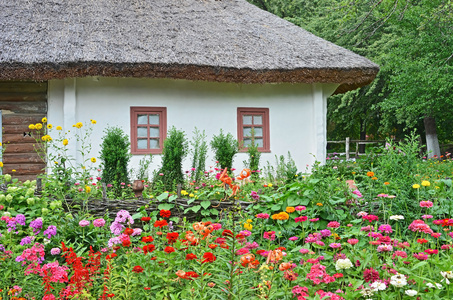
38, 126
65, 142
44, 120
13, 170
249, 221
59, 128
46, 138
370, 174
416, 186
184, 192
87, 189
31, 126
290, 209
426, 183
191, 195
248, 226
93, 159
1, 164
269, 185
56, 162
79, 125
93, 121
353, 173
49, 126
319, 204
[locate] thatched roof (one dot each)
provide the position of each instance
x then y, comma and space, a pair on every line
215, 40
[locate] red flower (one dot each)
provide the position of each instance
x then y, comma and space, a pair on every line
147, 239
137, 269
224, 246
149, 248
431, 251
421, 241
281, 248
146, 219
212, 246
191, 274
153, 258
165, 213
338, 275
128, 231
172, 236
110, 295
169, 249
191, 256
227, 232
126, 241
160, 223
110, 256
147, 288
208, 257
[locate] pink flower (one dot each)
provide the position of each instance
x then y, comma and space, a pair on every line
385, 228
300, 208
370, 218
426, 203
436, 235
402, 254
293, 238
353, 241
333, 224
245, 233
304, 251
314, 220
384, 248
427, 217
421, 256
300, 219
99, 223
84, 223
262, 216
269, 235
431, 251
242, 251
335, 245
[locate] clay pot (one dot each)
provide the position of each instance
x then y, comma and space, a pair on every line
137, 187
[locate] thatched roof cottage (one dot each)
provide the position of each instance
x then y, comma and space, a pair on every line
147, 65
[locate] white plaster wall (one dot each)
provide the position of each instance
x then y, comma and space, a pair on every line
296, 111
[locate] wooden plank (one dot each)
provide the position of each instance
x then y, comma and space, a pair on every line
20, 119
16, 129
21, 148
20, 158
16, 97
17, 138
23, 178
23, 169
28, 107
23, 86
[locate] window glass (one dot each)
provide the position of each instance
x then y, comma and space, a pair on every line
142, 119
153, 132
247, 120
142, 144
154, 143
154, 119
258, 120
142, 132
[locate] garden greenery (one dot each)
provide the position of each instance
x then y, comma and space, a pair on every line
199, 151
225, 147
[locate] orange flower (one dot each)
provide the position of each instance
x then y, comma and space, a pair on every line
386, 183
290, 209
284, 266
374, 178
370, 174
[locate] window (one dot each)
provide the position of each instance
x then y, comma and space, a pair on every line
254, 120
148, 129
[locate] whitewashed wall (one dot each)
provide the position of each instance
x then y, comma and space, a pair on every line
297, 112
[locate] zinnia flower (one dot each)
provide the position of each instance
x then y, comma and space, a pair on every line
137, 269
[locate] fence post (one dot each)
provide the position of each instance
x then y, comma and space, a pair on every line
347, 148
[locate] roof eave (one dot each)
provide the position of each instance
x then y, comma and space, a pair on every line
349, 79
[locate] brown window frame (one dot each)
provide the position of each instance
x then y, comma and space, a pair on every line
162, 112
264, 112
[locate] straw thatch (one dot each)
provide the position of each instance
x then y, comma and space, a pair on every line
224, 40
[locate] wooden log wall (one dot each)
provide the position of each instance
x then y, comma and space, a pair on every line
22, 103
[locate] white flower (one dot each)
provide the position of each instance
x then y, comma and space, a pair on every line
366, 292
397, 217
378, 286
435, 285
411, 293
362, 214
398, 280
343, 264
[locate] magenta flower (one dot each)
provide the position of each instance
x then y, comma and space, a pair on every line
314, 220
421, 256
269, 235
262, 216
300, 208
353, 241
427, 217
301, 219
333, 224
385, 228
293, 238
55, 251
384, 248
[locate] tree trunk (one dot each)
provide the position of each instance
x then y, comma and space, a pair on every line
432, 143
362, 137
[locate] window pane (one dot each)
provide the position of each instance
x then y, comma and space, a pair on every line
154, 119
247, 142
258, 120
258, 131
259, 142
247, 131
142, 132
154, 143
142, 119
154, 132
142, 144
247, 120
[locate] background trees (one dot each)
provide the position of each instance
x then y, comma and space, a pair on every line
412, 41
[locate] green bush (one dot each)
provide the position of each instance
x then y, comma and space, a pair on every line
253, 163
225, 148
115, 157
175, 149
199, 151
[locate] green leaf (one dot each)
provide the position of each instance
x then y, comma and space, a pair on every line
214, 212
137, 216
196, 208
172, 197
205, 204
165, 206
162, 196
276, 207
